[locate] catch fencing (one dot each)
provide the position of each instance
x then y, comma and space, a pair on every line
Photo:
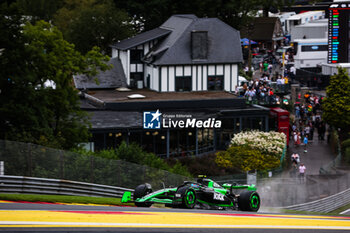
324, 205
30, 160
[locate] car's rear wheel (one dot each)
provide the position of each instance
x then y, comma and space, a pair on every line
141, 191
189, 198
249, 201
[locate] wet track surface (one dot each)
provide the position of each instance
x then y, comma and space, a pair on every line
27, 217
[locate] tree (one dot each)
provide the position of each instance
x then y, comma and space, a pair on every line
273, 5
29, 110
91, 23
152, 13
336, 107
39, 9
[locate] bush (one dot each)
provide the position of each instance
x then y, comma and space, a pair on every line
246, 159
269, 143
204, 165
346, 150
345, 143
347, 155
253, 150
133, 153
334, 141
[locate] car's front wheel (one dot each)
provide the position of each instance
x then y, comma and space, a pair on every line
141, 191
189, 198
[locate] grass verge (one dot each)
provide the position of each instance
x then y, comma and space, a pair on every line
341, 209
63, 199
333, 213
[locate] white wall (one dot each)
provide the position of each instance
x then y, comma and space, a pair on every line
125, 60
199, 75
227, 78
114, 53
155, 79
164, 78
234, 77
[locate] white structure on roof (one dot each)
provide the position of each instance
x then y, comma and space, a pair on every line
303, 18
331, 69
315, 29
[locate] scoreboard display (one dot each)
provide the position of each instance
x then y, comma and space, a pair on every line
339, 33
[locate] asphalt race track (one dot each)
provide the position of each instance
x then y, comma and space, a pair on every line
28, 217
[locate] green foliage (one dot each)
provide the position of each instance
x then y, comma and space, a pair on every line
336, 107
39, 9
273, 5
253, 150
29, 110
91, 23
345, 145
246, 159
347, 155
235, 13
133, 153
204, 165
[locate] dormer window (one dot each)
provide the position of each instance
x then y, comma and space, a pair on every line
199, 45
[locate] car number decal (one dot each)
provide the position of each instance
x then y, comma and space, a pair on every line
218, 196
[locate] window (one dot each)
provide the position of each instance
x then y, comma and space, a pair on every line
199, 44
135, 56
134, 78
314, 48
215, 83
183, 83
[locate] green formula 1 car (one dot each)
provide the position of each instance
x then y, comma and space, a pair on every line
205, 193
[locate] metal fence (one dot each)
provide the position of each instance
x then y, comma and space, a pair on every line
33, 185
26, 159
311, 78
326, 204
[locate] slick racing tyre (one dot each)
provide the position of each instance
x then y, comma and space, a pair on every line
141, 191
249, 201
188, 195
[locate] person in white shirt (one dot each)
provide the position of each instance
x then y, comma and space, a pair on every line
292, 72
295, 158
302, 170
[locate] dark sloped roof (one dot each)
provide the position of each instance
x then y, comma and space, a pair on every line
141, 38
263, 29
224, 44
115, 119
112, 78
133, 119
84, 104
177, 24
